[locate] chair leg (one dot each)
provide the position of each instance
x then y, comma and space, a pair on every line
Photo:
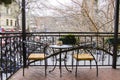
96, 68
90, 64
45, 68
76, 68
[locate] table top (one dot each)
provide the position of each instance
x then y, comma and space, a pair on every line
60, 46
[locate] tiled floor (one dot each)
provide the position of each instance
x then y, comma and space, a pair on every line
37, 73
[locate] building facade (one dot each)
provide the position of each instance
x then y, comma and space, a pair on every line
8, 16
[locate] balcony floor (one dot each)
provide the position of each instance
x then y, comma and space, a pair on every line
37, 73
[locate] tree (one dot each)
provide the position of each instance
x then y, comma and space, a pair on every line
18, 11
83, 15
6, 2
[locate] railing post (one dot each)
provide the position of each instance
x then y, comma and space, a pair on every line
24, 32
116, 24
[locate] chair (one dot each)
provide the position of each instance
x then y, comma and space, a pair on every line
36, 52
85, 55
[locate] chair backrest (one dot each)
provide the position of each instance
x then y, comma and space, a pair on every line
35, 47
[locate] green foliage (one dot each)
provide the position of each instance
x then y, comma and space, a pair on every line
68, 39
96, 0
111, 41
6, 2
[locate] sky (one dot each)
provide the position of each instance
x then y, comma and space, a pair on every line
45, 12
55, 2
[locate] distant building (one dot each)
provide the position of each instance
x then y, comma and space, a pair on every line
52, 24
8, 16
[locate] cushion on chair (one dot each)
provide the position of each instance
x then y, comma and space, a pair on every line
83, 56
34, 56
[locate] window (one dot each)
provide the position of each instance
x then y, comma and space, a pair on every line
15, 23
7, 22
11, 22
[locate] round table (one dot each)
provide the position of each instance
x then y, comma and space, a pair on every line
60, 47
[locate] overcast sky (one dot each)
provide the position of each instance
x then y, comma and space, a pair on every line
55, 2
45, 12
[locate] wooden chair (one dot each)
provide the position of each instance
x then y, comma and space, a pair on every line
85, 55
34, 55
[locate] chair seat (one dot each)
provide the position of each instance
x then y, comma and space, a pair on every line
83, 56
38, 56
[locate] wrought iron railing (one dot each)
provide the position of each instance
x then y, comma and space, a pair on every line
11, 49
97, 39
10, 54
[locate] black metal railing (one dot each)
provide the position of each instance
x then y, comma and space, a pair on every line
10, 54
99, 40
12, 57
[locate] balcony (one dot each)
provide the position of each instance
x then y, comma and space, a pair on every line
37, 73
12, 57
